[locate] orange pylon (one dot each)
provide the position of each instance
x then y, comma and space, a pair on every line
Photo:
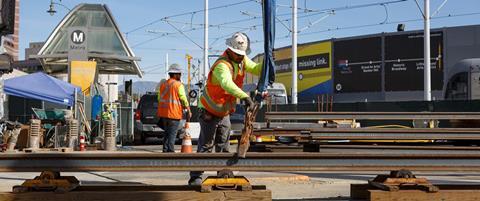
186, 141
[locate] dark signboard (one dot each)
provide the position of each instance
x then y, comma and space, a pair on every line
404, 62
357, 65
304, 63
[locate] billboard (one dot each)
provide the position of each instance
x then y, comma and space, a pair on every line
314, 72
82, 74
404, 64
357, 65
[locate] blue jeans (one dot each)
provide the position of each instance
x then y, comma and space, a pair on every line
171, 127
214, 133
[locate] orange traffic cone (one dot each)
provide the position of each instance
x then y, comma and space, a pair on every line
186, 141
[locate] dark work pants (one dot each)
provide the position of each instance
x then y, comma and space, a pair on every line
214, 132
171, 127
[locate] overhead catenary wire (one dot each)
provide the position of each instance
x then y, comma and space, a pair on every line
186, 13
329, 11
310, 14
186, 36
439, 8
302, 15
393, 22
201, 24
173, 49
373, 24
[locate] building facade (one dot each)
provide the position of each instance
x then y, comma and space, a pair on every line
10, 42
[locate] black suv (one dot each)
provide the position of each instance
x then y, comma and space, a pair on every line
146, 119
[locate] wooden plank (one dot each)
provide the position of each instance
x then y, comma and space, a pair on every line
364, 191
417, 195
255, 195
359, 191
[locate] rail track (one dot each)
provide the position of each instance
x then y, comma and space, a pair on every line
291, 116
375, 133
147, 161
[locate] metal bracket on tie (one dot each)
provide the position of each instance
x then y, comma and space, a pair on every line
225, 180
402, 179
48, 181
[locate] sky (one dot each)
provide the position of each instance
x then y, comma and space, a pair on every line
152, 38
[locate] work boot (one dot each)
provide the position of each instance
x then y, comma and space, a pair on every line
195, 181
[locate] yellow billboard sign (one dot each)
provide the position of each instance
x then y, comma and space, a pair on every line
314, 67
82, 74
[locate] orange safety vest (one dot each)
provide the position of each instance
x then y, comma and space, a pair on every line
215, 99
169, 105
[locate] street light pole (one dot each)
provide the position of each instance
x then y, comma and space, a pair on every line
427, 94
205, 43
294, 52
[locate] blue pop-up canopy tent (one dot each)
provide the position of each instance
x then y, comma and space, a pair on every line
42, 87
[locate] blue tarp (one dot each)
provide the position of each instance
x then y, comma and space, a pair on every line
42, 87
268, 73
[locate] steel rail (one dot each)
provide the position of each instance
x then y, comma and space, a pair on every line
144, 161
400, 147
371, 115
376, 133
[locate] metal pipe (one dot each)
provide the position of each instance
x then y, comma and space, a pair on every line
294, 52
331, 103
318, 103
322, 104
427, 94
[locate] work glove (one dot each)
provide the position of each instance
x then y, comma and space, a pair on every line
248, 102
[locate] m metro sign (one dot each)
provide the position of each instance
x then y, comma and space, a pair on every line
77, 45
77, 36
78, 39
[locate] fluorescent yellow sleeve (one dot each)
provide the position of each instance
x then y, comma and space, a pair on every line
224, 78
182, 95
252, 67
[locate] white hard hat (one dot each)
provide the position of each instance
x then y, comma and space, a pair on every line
174, 68
239, 43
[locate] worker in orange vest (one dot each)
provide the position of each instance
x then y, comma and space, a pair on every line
219, 98
172, 101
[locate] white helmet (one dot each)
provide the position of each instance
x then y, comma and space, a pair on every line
239, 43
174, 68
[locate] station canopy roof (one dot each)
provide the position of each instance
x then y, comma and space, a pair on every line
106, 44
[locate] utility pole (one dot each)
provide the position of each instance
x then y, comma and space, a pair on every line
205, 43
189, 66
294, 52
166, 66
427, 94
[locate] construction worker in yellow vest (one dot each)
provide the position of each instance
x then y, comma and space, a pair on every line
172, 101
219, 98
